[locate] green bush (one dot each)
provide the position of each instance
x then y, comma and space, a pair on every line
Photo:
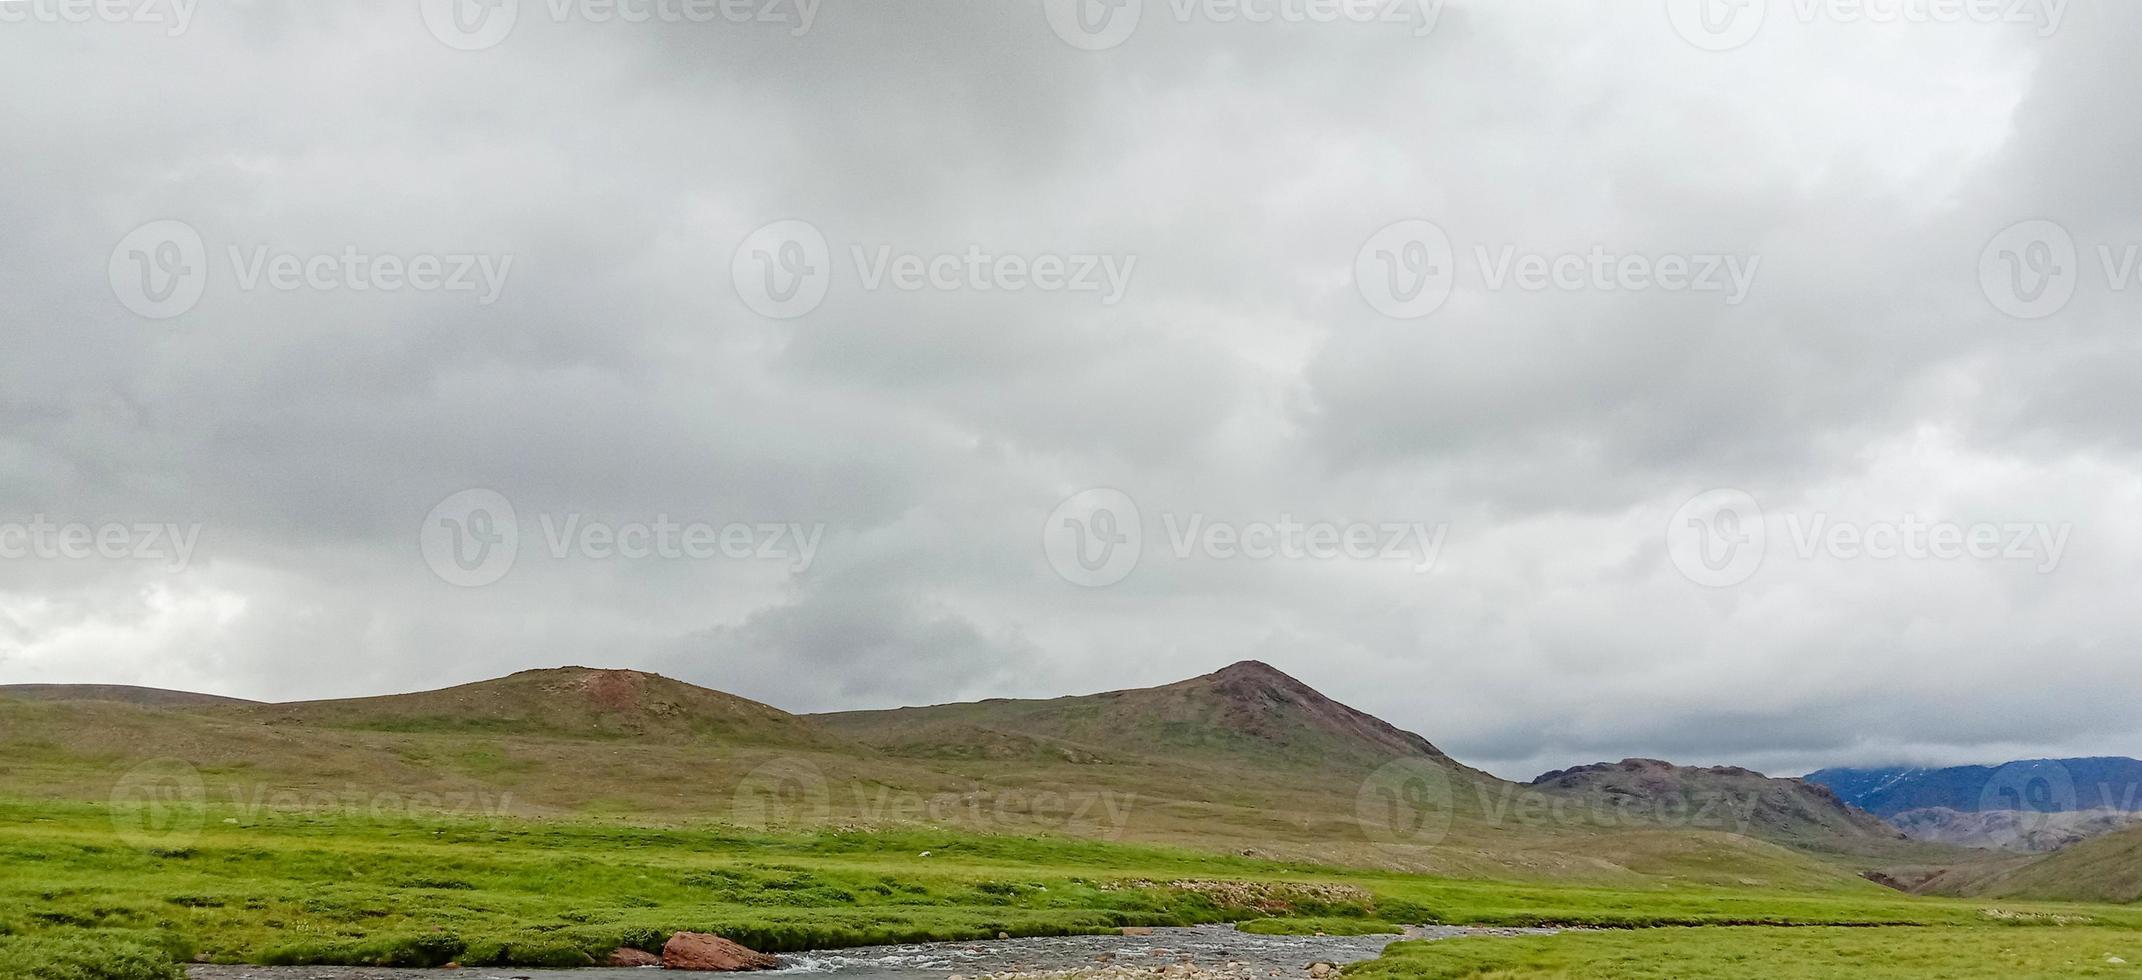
83, 956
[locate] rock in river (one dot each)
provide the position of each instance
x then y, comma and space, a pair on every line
700, 951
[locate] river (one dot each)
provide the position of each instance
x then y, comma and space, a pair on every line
1214, 949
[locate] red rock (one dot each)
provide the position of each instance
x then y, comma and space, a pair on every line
700, 951
633, 957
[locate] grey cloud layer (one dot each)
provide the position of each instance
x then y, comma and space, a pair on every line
1243, 377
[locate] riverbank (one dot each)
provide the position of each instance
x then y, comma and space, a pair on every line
1194, 953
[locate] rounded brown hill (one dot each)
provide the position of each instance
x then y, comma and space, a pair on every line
1249, 710
1781, 809
579, 702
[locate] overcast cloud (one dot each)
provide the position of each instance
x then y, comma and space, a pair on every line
647, 277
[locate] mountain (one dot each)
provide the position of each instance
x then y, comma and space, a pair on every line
119, 693
2021, 831
1248, 743
2107, 868
1785, 810
2045, 785
1248, 710
1245, 759
537, 743
577, 702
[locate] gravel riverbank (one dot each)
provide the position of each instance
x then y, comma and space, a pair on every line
1195, 953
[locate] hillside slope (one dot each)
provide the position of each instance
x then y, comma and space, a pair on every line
2103, 869
2021, 831
576, 702
1246, 759
1789, 811
1252, 738
118, 693
1246, 711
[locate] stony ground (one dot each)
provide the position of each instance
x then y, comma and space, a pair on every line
1197, 953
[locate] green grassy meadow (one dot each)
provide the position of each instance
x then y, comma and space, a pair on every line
307, 887
1982, 953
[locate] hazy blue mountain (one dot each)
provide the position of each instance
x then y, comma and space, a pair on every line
2044, 785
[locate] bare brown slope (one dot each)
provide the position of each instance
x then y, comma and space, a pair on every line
1781, 809
1248, 711
575, 702
150, 697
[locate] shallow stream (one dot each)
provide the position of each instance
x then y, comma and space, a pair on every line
1214, 948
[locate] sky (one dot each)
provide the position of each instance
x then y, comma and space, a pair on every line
1721, 382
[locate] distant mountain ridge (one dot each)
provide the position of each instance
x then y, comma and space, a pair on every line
2019, 831
1784, 809
2045, 785
152, 697
1243, 758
